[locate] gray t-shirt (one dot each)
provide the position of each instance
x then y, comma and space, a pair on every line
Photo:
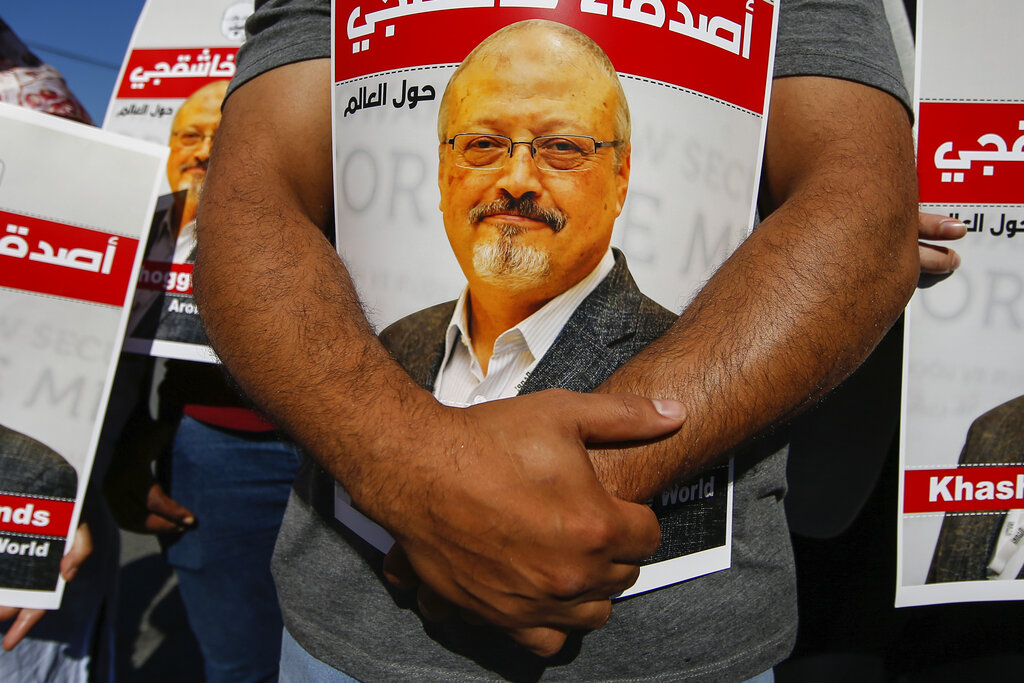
725, 626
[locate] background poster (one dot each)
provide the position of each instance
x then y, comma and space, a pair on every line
695, 76
963, 471
74, 204
169, 91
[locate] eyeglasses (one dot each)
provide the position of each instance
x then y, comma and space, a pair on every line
486, 152
191, 138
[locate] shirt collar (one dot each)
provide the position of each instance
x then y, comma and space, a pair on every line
540, 329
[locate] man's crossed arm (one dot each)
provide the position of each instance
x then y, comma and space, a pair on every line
490, 526
803, 300
787, 317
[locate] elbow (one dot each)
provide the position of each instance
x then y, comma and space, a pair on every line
907, 258
901, 223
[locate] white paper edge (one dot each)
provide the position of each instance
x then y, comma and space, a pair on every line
160, 348
26, 598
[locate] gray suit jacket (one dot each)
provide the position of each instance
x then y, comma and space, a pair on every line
30, 468
966, 542
611, 326
170, 316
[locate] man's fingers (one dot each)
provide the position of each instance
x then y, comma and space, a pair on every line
641, 536
81, 548
540, 640
606, 418
433, 607
23, 623
155, 524
400, 573
934, 226
159, 503
936, 260
397, 569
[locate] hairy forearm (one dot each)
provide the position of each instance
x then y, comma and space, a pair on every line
278, 303
802, 301
474, 496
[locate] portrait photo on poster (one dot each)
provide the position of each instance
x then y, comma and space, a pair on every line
538, 144
170, 90
962, 454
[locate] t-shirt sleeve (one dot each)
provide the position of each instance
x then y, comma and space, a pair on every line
281, 32
848, 39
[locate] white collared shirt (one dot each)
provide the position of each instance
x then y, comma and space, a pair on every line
186, 244
461, 381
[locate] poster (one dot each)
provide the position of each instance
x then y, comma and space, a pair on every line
524, 170
962, 483
74, 204
169, 91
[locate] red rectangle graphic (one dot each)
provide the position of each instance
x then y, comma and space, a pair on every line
46, 257
35, 516
964, 489
172, 73
168, 277
717, 47
971, 152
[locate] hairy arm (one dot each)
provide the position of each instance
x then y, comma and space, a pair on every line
803, 300
487, 523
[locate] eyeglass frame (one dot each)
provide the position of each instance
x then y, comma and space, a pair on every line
598, 145
203, 137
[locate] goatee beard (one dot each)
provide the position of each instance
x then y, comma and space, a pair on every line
510, 263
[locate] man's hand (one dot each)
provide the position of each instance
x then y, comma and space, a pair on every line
515, 527
540, 640
148, 510
24, 618
937, 260
136, 499
580, 545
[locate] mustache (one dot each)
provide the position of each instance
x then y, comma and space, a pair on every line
523, 206
194, 164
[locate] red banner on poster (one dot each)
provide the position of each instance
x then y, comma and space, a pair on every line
172, 73
970, 152
168, 277
719, 48
964, 489
46, 257
35, 516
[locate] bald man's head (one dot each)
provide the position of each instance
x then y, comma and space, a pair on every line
192, 133
545, 42
537, 169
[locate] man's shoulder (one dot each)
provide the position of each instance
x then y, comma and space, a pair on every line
418, 327
619, 297
31, 467
654, 317
997, 435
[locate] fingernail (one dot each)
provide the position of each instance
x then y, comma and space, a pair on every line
70, 574
189, 521
670, 409
952, 227
956, 262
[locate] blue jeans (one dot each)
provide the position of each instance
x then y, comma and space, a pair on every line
298, 666
236, 484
